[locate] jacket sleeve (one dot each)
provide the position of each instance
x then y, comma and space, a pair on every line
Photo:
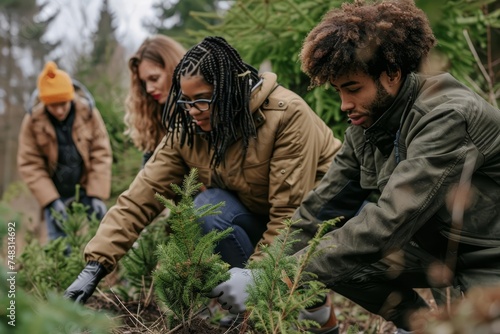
32, 166
136, 207
302, 143
414, 192
99, 175
339, 194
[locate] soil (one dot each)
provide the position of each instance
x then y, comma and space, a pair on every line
135, 317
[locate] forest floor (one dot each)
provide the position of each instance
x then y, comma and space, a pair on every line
137, 318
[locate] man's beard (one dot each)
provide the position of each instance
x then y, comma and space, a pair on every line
383, 101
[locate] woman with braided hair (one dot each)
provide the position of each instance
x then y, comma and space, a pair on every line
257, 146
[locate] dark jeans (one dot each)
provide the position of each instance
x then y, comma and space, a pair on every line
386, 287
247, 226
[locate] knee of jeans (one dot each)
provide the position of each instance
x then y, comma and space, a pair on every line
210, 196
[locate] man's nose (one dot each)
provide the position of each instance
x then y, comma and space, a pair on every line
346, 104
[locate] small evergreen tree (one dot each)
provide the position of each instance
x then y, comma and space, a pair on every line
282, 286
54, 266
139, 263
188, 267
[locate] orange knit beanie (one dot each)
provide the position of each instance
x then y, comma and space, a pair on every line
54, 85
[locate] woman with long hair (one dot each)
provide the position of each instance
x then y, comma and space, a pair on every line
151, 70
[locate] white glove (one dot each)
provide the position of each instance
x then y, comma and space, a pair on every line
232, 294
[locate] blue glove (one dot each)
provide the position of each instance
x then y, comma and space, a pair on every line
232, 294
98, 207
59, 207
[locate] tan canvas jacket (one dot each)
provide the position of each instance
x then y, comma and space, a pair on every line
291, 153
37, 154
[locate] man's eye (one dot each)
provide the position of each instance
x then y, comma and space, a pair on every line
353, 90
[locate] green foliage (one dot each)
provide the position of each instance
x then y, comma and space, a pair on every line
464, 30
188, 267
282, 285
25, 313
139, 263
47, 269
176, 17
55, 315
273, 31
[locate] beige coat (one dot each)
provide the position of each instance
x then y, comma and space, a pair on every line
292, 152
37, 154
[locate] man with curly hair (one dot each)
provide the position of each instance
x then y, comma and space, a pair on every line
426, 144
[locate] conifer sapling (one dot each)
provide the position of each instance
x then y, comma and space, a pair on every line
188, 267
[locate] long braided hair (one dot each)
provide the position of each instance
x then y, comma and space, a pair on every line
221, 66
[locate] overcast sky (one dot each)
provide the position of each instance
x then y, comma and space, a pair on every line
77, 20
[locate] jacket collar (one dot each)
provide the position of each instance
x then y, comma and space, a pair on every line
262, 91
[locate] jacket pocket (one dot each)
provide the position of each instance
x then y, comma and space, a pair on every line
257, 178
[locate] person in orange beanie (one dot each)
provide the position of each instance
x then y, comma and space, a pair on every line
63, 142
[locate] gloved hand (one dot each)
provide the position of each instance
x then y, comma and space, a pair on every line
84, 286
232, 294
58, 206
98, 207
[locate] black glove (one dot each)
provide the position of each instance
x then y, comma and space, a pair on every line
84, 286
58, 206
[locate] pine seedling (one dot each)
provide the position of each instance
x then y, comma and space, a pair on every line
139, 263
282, 285
54, 266
188, 267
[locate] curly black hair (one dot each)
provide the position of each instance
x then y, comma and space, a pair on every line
370, 38
221, 66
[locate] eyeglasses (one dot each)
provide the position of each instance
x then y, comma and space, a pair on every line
201, 104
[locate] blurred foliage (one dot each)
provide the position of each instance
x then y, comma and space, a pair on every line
57, 315
468, 34
274, 30
105, 73
173, 17
24, 312
46, 269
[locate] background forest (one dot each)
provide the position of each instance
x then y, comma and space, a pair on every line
92, 40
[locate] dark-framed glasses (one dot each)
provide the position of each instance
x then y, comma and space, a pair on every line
200, 104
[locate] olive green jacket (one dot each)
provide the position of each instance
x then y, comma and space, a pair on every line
435, 133
291, 153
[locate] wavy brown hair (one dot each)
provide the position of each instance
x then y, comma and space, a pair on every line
371, 37
143, 113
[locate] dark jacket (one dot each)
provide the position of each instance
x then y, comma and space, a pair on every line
436, 132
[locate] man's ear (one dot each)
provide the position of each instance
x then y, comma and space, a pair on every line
394, 77
391, 81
